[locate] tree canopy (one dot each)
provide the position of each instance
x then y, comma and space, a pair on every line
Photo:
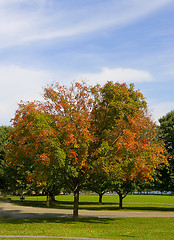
35, 146
81, 131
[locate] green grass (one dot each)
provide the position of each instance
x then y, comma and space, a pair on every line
114, 228
117, 228
106, 198
110, 202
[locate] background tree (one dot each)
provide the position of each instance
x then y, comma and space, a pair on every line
166, 174
99, 183
146, 187
4, 135
127, 144
7, 173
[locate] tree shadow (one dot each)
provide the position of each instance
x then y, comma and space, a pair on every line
65, 220
96, 206
69, 205
17, 215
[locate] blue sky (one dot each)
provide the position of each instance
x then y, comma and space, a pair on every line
43, 41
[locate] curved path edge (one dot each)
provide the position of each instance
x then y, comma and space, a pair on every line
30, 236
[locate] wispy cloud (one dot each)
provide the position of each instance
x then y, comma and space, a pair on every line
23, 21
127, 75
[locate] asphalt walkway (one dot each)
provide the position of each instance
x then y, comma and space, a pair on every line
29, 236
13, 211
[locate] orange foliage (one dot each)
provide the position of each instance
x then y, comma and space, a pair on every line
133, 150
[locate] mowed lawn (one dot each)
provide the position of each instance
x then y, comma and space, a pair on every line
110, 228
117, 228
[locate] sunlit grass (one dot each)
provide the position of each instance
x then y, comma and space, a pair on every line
110, 202
113, 198
117, 228
114, 228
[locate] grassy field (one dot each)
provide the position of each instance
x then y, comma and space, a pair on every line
117, 228
110, 202
114, 228
113, 198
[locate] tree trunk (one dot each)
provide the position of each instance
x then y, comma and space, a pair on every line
120, 200
100, 197
76, 204
50, 198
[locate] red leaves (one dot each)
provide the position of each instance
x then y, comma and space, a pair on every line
30, 178
44, 159
121, 119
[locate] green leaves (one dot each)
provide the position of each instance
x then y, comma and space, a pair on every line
4, 135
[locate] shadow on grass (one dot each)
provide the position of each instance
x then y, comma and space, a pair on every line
60, 220
69, 205
97, 207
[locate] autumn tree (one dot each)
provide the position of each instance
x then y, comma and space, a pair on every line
80, 131
52, 139
127, 146
34, 146
71, 108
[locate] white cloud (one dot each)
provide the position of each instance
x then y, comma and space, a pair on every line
161, 109
19, 84
127, 75
23, 21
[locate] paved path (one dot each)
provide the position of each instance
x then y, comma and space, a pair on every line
29, 236
14, 211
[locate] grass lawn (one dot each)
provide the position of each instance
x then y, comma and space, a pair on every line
117, 228
113, 198
110, 202
113, 228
